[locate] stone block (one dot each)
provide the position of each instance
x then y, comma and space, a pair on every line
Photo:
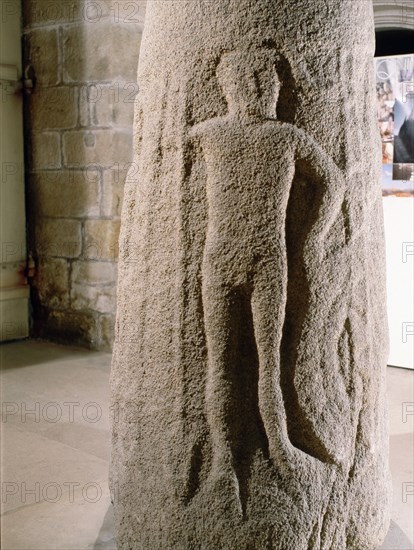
58, 238
53, 108
113, 192
101, 240
93, 273
44, 150
107, 105
84, 96
106, 331
123, 107
40, 49
77, 328
51, 12
102, 148
113, 105
52, 282
107, 42
65, 193
54, 12
97, 298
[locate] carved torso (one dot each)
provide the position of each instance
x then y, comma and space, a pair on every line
247, 194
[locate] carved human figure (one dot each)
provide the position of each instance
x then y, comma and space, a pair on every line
245, 248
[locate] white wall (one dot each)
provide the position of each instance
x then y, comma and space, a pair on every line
399, 237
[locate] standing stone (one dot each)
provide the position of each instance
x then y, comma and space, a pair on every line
249, 364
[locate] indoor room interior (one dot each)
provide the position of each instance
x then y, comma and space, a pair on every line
68, 82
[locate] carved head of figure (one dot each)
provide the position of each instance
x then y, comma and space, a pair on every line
250, 82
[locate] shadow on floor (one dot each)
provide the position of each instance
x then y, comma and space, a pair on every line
106, 538
28, 353
396, 539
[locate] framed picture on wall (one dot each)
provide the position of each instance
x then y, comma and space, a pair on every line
395, 102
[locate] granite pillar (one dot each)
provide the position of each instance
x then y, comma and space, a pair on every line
248, 371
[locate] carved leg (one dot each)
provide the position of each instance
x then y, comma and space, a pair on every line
220, 318
268, 308
222, 325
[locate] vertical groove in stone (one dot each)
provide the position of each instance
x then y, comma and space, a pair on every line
302, 213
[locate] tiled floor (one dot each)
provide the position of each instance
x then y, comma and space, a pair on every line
55, 449
55, 459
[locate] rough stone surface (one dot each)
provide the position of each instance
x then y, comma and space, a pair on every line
249, 363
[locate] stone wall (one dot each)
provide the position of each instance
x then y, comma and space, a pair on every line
79, 148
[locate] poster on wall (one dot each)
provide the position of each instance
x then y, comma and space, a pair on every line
395, 103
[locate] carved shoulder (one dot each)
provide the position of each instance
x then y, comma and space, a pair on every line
311, 156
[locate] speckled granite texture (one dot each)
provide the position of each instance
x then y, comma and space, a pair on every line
249, 363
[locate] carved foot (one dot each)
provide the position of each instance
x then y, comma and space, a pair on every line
223, 480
